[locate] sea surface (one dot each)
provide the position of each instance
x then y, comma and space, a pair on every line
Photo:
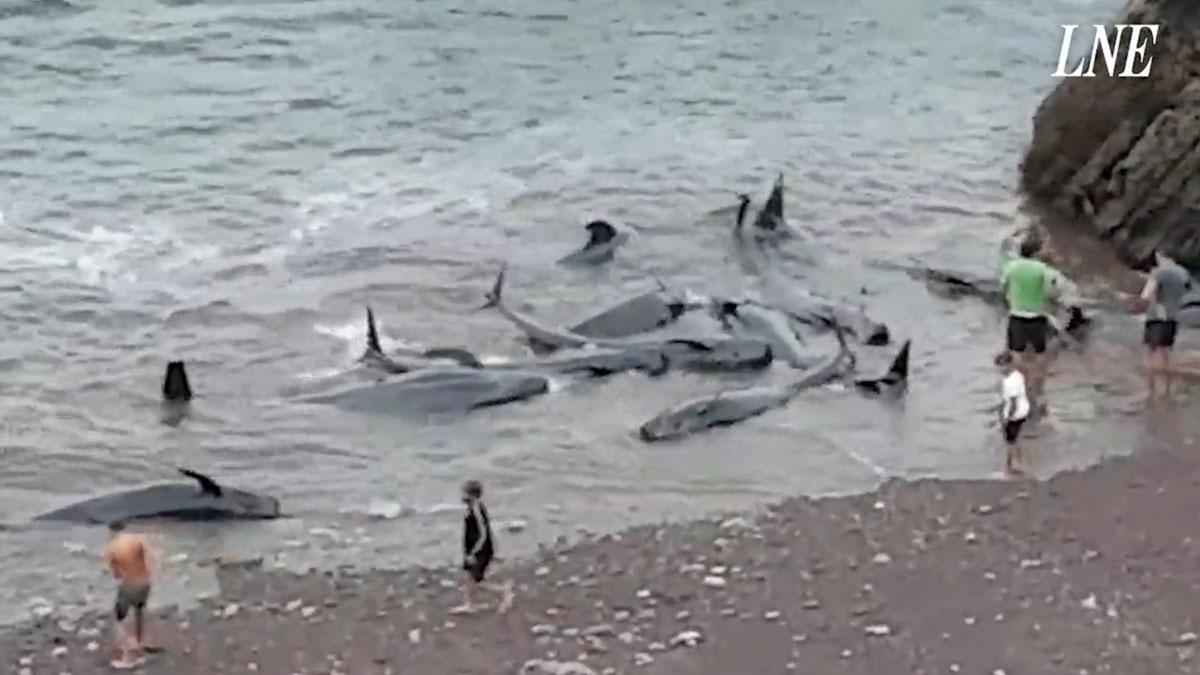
231, 182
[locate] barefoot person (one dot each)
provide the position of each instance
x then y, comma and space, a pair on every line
478, 548
1014, 408
130, 559
1027, 284
1160, 300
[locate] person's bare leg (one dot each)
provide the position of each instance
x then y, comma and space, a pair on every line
1165, 369
139, 643
505, 591
468, 606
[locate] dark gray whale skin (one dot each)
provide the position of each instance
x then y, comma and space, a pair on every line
374, 356
603, 241
639, 314
438, 390
894, 382
730, 407
594, 362
203, 500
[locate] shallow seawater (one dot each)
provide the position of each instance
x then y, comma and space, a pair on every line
230, 183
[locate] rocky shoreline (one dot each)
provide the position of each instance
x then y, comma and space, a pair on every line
1120, 154
1089, 572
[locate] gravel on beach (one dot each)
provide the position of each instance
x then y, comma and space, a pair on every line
1090, 572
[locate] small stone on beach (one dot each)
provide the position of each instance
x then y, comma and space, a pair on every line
879, 630
714, 582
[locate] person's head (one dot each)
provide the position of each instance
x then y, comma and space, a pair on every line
472, 490
116, 527
1030, 245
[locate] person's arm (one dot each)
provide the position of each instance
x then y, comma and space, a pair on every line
1138, 303
481, 521
107, 556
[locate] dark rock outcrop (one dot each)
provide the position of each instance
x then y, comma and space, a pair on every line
1123, 154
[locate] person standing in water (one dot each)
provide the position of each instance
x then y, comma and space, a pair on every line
1027, 284
1014, 409
478, 549
1160, 301
130, 559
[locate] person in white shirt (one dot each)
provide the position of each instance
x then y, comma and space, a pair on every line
1014, 409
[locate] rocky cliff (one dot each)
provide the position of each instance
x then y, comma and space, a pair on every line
1123, 154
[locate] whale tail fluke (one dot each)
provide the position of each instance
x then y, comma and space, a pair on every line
896, 378
743, 205
495, 295
771, 215
175, 383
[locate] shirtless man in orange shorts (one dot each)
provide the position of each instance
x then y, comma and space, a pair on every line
130, 559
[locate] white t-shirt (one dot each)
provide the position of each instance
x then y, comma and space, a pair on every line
1014, 387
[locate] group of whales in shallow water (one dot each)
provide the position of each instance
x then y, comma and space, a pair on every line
622, 338
633, 336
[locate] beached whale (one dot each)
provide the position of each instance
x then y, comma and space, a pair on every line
748, 318
704, 353
437, 390
639, 314
820, 312
894, 382
407, 362
730, 407
603, 241
955, 284
203, 500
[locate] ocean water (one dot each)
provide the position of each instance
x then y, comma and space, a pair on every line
230, 182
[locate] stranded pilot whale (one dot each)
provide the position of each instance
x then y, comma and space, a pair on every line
730, 407
375, 357
603, 241
705, 354
894, 381
438, 390
205, 500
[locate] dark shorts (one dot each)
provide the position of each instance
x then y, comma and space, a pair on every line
1027, 332
477, 566
1012, 430
1160, 334
131, 596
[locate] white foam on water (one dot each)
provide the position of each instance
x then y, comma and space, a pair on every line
322, 374
354, 333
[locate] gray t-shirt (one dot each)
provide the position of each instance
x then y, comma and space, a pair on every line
1171, 281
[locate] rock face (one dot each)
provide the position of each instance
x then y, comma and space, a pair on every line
1123, 154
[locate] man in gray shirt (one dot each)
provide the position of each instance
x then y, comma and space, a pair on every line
1160, 300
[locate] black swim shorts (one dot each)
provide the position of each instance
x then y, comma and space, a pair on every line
1160, 334
1024, 332
1012, 429
477, 565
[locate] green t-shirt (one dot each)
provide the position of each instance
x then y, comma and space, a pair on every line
1026, 283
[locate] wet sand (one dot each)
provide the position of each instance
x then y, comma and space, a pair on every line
1089, 572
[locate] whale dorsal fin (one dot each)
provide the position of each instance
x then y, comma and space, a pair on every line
175, 383
372, 333
207, 485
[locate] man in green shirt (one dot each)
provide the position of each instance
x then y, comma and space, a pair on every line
1027, 284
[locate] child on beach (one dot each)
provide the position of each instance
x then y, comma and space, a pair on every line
1014, 409
478, 549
